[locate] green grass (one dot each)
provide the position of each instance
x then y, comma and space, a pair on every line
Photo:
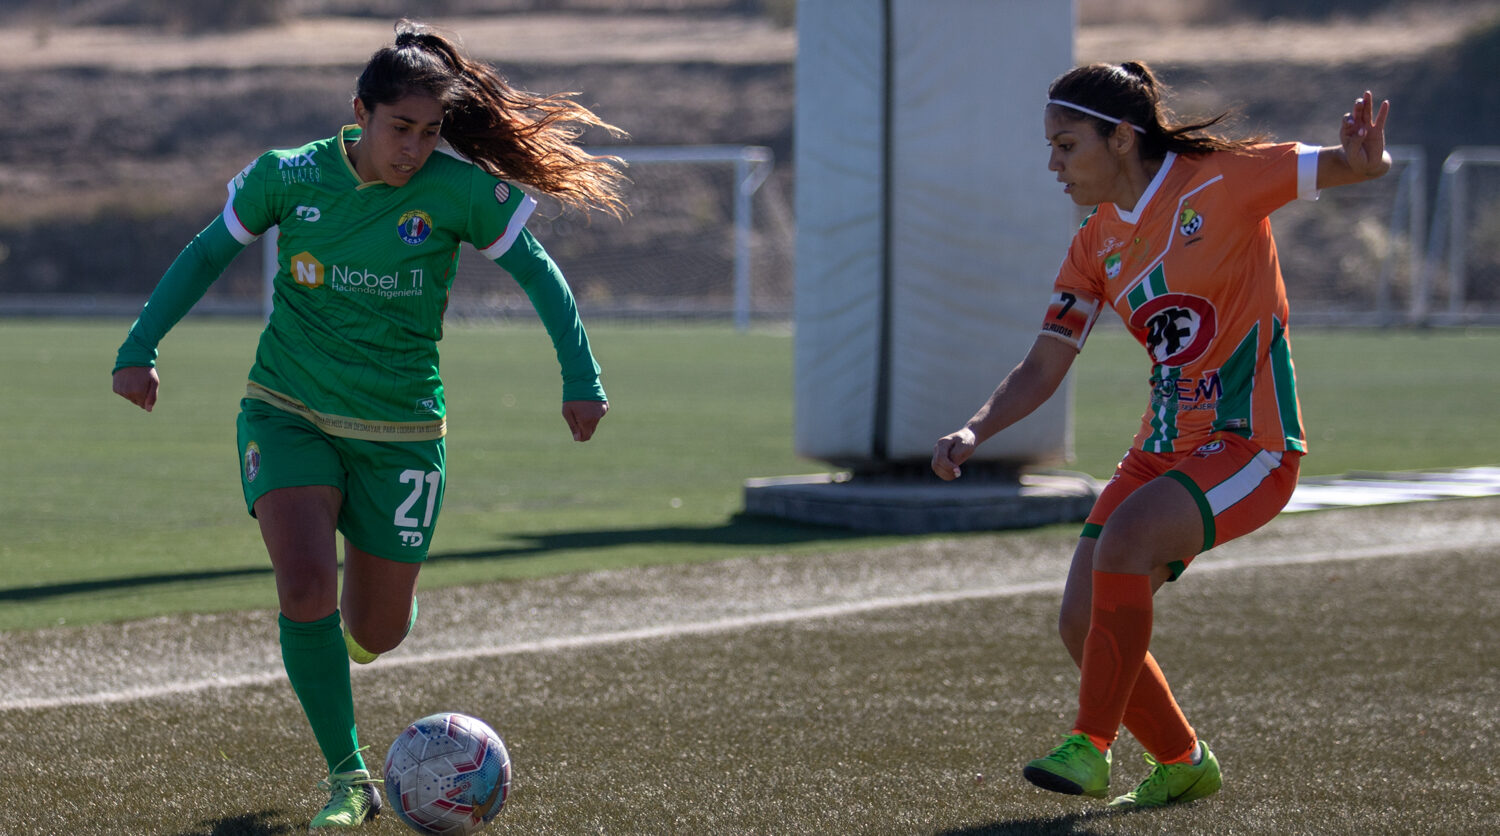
111, 513
1341, 697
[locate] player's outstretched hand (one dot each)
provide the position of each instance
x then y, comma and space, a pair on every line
137, 384
1362, 134
583, 417
952, 450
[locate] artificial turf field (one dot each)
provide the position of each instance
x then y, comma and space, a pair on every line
1342, 664
668, 667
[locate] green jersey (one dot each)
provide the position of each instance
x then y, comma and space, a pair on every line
364, 273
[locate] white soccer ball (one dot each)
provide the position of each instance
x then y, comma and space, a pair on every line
447, 774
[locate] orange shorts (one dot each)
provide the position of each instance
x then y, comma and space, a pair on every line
1238, 486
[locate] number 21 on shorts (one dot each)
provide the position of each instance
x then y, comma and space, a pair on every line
426, 487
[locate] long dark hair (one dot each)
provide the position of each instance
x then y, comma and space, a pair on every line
1132, 93
520, 136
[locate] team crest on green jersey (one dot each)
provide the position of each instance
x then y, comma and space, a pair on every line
415, 226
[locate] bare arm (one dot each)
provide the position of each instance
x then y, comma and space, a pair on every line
1360, 154
1027, 386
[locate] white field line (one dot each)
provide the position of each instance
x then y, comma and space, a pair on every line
667, 631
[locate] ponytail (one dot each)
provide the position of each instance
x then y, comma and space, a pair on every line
513, 134
1131, 93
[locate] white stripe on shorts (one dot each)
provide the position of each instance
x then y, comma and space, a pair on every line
1224, 495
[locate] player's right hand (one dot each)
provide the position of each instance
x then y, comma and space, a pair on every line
952, 450
137, 384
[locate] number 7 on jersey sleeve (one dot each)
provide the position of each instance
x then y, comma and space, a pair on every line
1070, 317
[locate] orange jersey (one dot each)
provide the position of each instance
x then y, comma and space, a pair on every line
1192, 271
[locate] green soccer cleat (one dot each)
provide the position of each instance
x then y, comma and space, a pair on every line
356, 653
353, 801
1175, 783
361, 656
1076, 767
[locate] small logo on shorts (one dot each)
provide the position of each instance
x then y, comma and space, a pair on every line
426, 406
1209, 449
252, 461
411, 538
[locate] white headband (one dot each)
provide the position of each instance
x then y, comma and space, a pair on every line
1094, 113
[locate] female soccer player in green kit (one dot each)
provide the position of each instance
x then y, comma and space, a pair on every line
342, 425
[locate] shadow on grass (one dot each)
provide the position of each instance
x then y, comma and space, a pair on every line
54, 590
740, 530
1073, 824
262, 823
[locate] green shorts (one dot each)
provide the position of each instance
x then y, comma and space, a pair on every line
393, 490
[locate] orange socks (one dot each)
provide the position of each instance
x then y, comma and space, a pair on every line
1113, 653
1153, 716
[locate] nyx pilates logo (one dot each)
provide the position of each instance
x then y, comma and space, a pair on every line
298, 160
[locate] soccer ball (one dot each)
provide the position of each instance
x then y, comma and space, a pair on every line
447, 774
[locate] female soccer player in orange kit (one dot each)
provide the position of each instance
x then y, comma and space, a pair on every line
1180, 246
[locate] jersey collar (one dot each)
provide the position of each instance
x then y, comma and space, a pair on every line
1134, 215
352, 133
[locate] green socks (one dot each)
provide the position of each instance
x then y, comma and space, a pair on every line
317, 665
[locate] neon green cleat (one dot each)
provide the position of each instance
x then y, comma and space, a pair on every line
361, 656
1175, 783
1076, 767
353, 800
357, 653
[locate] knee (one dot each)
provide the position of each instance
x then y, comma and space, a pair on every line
1073, 628
306, 599
377, 636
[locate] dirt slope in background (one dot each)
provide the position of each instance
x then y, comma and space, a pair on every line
129, 137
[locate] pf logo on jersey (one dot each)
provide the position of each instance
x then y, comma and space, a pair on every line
1179, 327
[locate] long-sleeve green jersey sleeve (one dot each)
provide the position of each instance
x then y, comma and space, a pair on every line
197, 267
533, 269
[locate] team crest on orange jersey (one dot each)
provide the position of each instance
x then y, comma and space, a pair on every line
1189, 223
1112, 266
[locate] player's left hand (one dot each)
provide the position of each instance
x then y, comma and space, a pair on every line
1362, 134
583, 417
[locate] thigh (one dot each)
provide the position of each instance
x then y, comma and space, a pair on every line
281, 450
1154, 527
1135, 469
377, 597
297, 525
394, 496
1237, 485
